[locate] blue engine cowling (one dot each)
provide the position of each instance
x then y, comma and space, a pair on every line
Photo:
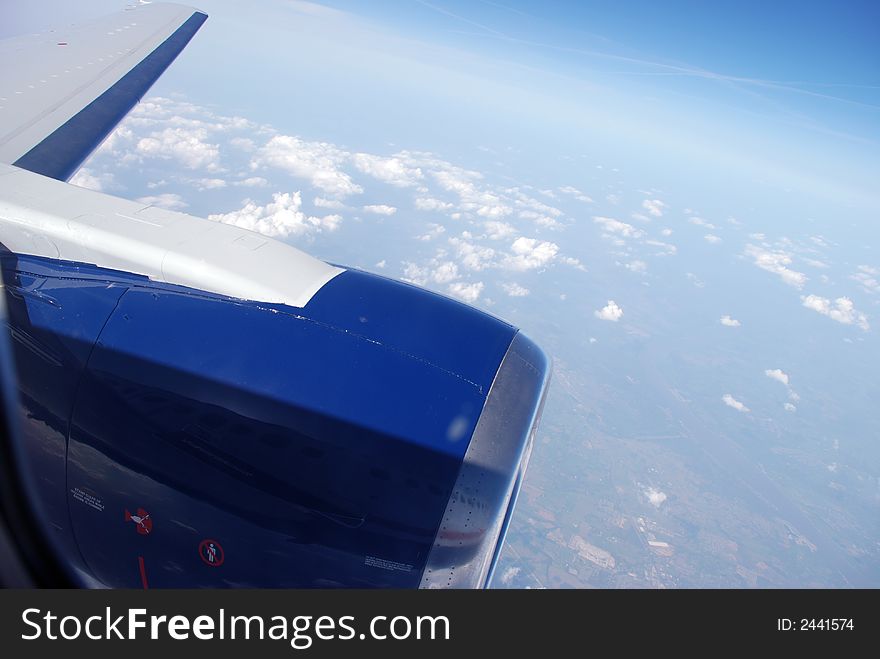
374, 438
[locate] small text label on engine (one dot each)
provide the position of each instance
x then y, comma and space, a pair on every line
375, 561
88, 498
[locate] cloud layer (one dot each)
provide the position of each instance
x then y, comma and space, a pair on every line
281, 217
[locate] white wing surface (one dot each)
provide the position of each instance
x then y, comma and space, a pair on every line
63, 91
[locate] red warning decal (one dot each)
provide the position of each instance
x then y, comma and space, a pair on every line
142, 521
211, 553
143, 570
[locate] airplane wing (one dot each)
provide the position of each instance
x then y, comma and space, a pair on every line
63, 91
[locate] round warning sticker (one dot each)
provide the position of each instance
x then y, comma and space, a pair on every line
142, 521
211, 553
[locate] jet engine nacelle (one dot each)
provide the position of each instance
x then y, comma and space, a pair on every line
374, 437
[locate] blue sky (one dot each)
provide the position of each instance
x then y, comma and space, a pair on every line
790, 86
745, 91
830, 42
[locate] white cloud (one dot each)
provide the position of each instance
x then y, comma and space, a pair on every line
172, 130
637, 266
867, 277
814, 262
700, 222
668, 248
539, 219
209, 183
243, 143
464, 183
381, 264
434, 231
188, 146
574, 263
494, 211
777, 262
777, 374
666, 232
515, 290
445, 273
527, 204
280, 217
252, 182
321, 202
712, 239
730, 401
617, 227
467, 292
415, 274
473, 257
317, 162
509, 574
789, 407
654, 207
699, 283
166, 200
577, 194
727, 321
498, 230
655, 496
530, 253
610, 311
86, 178
842, 310
393, 171
380, 209
431, 204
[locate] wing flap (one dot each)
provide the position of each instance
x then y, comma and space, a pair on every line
61, 93
42, 217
